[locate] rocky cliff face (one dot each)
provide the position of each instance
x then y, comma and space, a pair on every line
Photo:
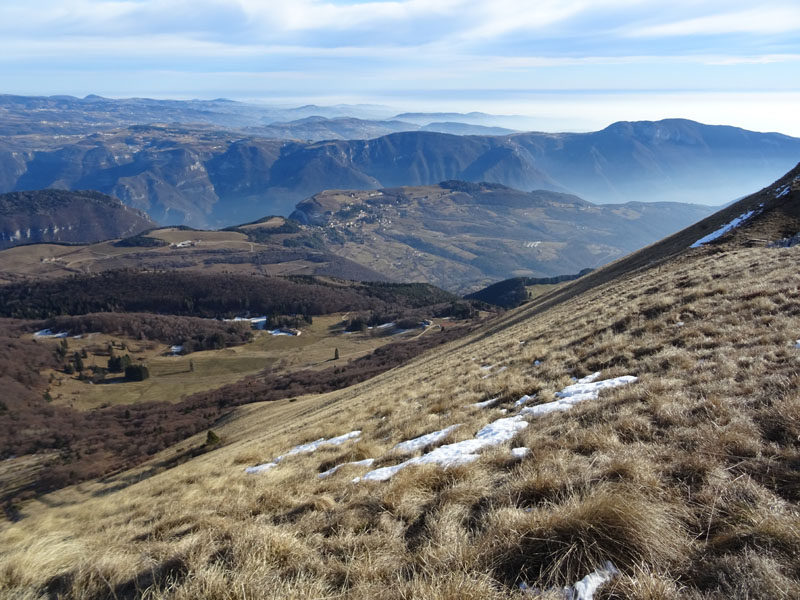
66, 217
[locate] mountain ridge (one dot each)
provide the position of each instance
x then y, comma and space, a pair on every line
57, 216
212, 178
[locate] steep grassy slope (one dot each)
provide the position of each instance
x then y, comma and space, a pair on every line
687, 479
61, 216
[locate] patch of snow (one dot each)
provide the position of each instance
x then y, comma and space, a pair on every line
520, 452
724, 229
367, 462
459, 453
785, 191
486, 368
500, 370
385, 325
424, 440
797, 344
305, 449
255, 322
588, 378
575, 393
486, 403
536, 363
524, 400
583, 589
586, 587
47, 333
176, 349
258, 323
260, 468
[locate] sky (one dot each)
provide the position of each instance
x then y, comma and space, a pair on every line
566, 65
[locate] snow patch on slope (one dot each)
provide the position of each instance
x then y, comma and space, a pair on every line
420, 442
575, 393
305, 449
459, 453
724, 229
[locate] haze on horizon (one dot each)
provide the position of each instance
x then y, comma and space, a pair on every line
576, 65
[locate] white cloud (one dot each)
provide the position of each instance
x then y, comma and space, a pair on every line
300, 15
762, 20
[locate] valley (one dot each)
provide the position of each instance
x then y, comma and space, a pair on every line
174, 377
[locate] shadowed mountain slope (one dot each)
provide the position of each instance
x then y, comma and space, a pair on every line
68, 217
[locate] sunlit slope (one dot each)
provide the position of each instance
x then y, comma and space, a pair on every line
685, 479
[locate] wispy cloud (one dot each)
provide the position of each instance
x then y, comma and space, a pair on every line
764, 20
347, 47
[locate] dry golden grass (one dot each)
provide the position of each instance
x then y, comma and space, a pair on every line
687, 480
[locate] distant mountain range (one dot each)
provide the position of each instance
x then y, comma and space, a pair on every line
66, 217
212, 178
67, 115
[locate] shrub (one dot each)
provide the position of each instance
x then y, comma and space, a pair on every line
137, 372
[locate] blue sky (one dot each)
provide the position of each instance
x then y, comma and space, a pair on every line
568, 65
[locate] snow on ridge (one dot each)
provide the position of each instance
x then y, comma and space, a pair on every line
367, 462
420, 442
305, 449
724, 229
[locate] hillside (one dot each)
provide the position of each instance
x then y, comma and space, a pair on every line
211, 177
463, 236
456, 235
83, 217
673, 456
271, 247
